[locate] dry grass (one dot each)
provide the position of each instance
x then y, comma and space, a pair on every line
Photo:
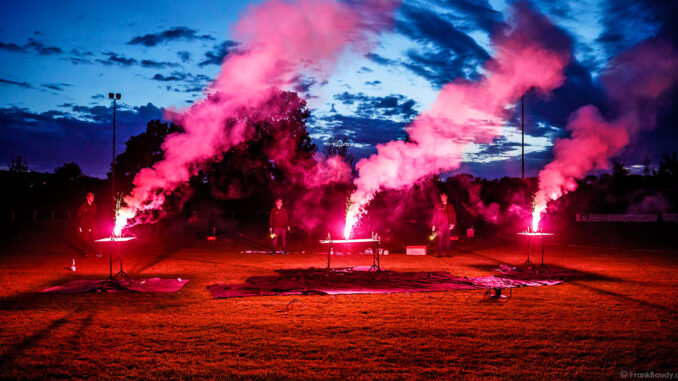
621, 316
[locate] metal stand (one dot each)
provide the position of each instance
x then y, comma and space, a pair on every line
112, 280
528, 265
494, 294
376, 265
542, 268
375, 258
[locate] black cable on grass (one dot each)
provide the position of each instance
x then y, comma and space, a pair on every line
290, 305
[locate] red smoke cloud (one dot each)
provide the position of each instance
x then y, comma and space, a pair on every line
635, 82
532, 53
281, 41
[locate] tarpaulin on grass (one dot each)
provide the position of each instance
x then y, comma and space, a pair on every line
141, 285
360, 281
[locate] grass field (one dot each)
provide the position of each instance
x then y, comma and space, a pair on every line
620, 317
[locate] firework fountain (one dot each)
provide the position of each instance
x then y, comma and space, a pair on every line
281, 42
530, 53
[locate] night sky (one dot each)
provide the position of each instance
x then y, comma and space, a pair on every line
61, 59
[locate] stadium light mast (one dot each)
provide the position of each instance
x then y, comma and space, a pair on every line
114, 97
522, 135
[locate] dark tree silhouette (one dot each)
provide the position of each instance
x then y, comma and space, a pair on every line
647, 171
669, 165
68, 172
264, 164
17, 164
142, 151
619, 170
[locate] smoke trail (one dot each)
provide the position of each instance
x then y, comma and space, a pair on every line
635, 82
531, 54
281, 41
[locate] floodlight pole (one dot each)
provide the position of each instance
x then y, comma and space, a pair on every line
114, 96
522, 134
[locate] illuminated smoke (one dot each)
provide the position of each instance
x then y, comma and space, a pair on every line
282, 41
635, 82
532, 53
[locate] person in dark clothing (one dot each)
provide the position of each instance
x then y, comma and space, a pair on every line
444, 219
279, 225
87, 215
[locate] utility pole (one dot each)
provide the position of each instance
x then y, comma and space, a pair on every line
522, 133
114, 96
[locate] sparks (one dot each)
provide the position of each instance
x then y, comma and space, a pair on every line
122, 215
351, 220
536, 217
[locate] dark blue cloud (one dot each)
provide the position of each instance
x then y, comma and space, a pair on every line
40, 47
548, 115
390, 106
500, 147
184, 82
81, 134
478, 14
12, 47
219, 52
663, 139
379, 59
627, 22
171, 77
80, 61
302, 85
79, 53
121, 60
56, 86
363, 131
157, 64
172, 34
445, 52
509, 167
32, 45
15, 83
117, 59
184, 56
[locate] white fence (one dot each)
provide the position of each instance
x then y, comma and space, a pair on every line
665, 217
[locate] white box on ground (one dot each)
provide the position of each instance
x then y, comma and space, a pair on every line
415, 250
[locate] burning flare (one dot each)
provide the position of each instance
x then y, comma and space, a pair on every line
121, 217
351, 220
536, 217
281, 42
637, 81
531, 53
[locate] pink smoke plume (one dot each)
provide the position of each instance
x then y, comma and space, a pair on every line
532, 53
281, 42
635, 82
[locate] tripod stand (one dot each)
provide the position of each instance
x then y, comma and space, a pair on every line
112, 280
528, 265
